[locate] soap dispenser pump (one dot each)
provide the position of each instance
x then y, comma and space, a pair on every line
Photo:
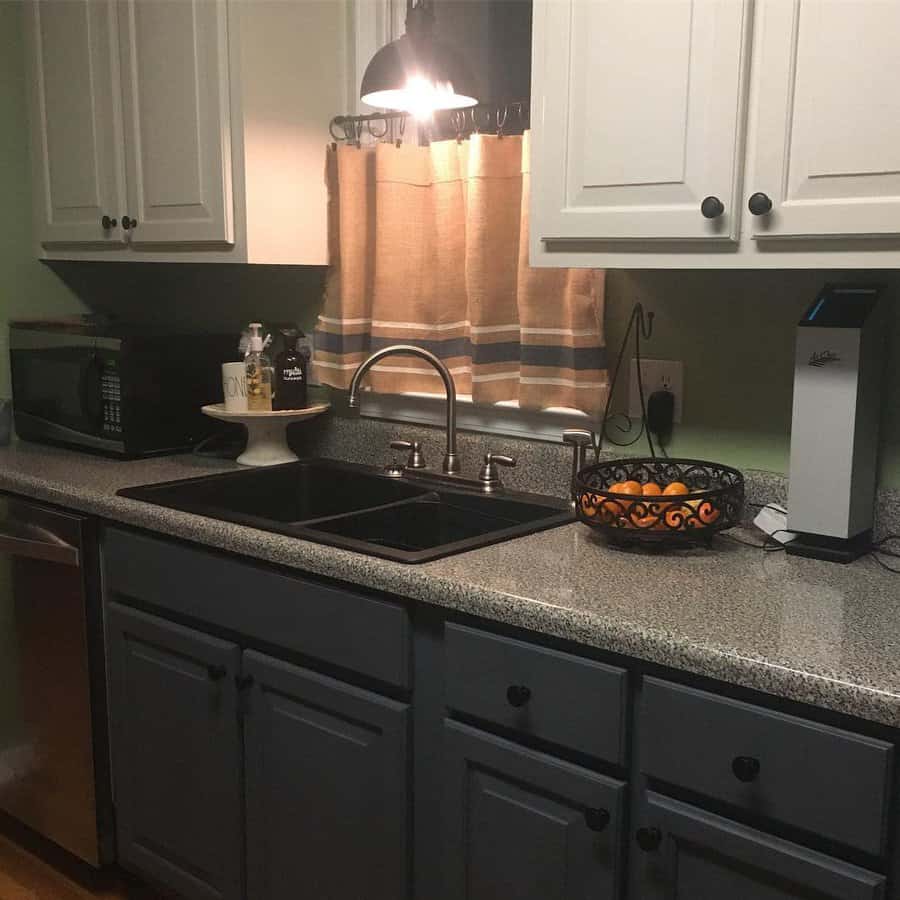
259, 372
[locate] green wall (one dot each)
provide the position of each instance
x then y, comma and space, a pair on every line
735, 333
27, 287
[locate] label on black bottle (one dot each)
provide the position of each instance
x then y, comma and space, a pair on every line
291, 390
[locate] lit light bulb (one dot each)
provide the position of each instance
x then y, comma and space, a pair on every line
420, 97
423, 97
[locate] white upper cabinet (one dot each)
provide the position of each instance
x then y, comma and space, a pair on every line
637, 119
76, 122
780, 119
827, 139
175, 91
198, 127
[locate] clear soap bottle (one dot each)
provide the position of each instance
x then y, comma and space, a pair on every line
259, 372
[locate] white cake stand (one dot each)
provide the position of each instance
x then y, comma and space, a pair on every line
266, 431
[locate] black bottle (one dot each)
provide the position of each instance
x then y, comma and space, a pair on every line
291, 371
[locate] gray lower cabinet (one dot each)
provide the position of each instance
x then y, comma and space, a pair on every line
327, 790
524, 825
176, 754
683, 851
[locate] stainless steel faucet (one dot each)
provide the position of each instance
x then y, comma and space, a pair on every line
451, 459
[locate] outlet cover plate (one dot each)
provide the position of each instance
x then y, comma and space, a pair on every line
658, 374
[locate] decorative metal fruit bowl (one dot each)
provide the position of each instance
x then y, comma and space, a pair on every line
659, 500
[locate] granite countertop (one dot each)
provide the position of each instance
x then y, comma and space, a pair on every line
819, 633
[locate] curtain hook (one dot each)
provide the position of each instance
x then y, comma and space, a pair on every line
378, 135
401, 128
501, 121
458, 121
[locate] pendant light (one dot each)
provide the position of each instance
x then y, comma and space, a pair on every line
417, 73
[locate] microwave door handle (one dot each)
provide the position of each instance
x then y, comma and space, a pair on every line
89, 389
32, 542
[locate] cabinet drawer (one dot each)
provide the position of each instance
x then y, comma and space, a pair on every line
337, 626
822, 779
554, 696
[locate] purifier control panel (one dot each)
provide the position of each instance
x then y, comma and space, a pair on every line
842, 306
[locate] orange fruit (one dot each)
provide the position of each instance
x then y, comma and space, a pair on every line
646, 522
675, 518
675, 487
706, 512
651, 489
621, 507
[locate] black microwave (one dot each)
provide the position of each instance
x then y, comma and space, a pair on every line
120, 389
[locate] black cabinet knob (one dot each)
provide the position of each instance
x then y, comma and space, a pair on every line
107, 223
128, 224
745, 768
596, 819
712, 207
243, 682
518, 695
759, 203
648, 839
216, 672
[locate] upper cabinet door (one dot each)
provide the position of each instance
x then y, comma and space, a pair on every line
637, 108
826, 142
177, 120
75, 119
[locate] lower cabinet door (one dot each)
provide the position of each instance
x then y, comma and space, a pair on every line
682, 851
524, 825
176, 754
327, 787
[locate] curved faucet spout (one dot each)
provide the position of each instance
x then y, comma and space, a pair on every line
451, 459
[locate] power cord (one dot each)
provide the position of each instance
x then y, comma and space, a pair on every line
767, 546
642, 326
878, 550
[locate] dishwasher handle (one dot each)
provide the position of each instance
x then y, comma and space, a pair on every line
34, 542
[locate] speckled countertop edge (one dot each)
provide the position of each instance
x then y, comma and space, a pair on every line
656, 645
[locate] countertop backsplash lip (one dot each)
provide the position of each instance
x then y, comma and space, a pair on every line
814, 632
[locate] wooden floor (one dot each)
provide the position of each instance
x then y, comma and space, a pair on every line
25, 875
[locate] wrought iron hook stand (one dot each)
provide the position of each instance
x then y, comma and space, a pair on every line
485, 118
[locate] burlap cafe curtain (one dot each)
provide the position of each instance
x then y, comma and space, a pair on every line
429, 245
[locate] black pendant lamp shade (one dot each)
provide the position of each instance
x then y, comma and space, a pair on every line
418, 73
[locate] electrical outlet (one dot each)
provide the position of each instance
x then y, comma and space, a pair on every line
658, 374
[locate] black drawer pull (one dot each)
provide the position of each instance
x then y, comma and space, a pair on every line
106, 223
518, 695
596, 819
745, 768
216, 672
648, 839
243, 682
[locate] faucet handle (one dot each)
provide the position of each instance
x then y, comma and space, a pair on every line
488, 476
416, 459
579, 437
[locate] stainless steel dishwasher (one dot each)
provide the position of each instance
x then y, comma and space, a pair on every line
54, 762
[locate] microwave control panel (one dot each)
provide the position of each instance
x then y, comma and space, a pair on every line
111, 396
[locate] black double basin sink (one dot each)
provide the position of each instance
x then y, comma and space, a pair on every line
407, 519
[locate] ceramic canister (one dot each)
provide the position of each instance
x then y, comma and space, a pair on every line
234, 386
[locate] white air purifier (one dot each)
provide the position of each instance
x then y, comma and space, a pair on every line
834, 433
